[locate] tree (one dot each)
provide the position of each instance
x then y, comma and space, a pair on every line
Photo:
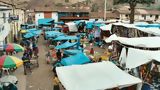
132, 4
94, 7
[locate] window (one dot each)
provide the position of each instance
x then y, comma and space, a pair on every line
4, 17
66, 0
157, 17
144, 16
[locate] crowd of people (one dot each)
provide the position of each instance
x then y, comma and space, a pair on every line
31, 50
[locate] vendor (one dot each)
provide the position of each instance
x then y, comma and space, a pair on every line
56, 83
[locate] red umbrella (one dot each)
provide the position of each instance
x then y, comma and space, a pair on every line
13, 47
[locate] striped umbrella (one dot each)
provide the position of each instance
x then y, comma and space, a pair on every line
13, 47
10, 62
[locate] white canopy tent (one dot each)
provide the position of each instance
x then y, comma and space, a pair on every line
148, 42
106, 27
95, 76
154, 31
72, 27
111, 38
137, 57
151, 30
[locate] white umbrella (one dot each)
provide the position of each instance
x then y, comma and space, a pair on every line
9, 79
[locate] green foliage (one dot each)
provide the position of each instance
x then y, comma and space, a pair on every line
132, 4
158, 8
94, 7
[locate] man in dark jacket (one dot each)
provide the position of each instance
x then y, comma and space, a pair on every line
58, 54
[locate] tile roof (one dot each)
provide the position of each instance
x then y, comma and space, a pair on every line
61, 9
109, 15
126, 10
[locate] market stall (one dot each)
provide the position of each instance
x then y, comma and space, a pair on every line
77, 59
95, 76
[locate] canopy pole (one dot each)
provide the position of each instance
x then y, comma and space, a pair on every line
78, 42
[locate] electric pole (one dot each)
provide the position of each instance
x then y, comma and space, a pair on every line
105, 8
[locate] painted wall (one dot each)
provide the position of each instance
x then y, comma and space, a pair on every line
38, 15
55, 16
4, 26
140, 17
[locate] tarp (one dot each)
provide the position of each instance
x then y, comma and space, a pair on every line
36, 32
72, 52
59, 23
99, 24
137, 57
149, 25
72, 27
65, 45
106, 27
94, 76
148, 42
29, 35
53, 34
111, 38
77, 59
45, 21
89, 25
66, 38
150, 30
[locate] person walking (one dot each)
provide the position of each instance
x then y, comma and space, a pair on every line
56, 83
59, 55
92, 51
26, 62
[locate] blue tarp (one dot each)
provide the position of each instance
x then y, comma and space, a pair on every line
33, 29
29, 35
45, 21
99, 24
66, 45
66, 38
89, 25
149, 25
59, 23
72, 52
53, 34
37, 32
53, 29
75, 60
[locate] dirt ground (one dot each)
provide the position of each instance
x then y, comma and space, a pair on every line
41, 78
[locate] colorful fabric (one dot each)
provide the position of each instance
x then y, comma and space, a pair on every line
13, 47
10, 62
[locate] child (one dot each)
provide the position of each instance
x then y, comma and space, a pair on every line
92, 51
